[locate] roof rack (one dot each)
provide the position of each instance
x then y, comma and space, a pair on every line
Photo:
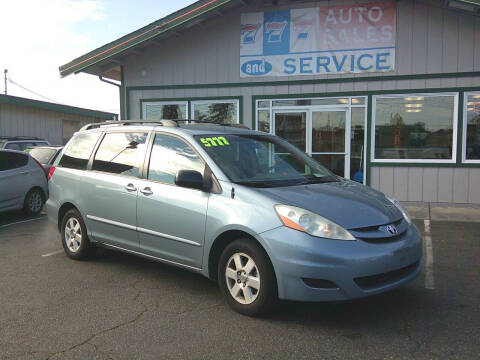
166, 123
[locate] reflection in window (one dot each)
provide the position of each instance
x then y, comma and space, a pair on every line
78, 152
169, 155
292, 127
218, 112
167, 111
328, 131
120, 153
264, 120
414, 127
472, 118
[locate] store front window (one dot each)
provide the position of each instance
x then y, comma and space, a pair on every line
471, 128
221, 111
165, 110
414, 128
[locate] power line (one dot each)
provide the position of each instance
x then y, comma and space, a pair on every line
31, 91
45, 97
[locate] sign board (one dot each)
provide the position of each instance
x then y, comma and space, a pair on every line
315, 41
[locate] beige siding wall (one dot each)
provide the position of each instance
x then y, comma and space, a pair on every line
430, 39
430, 184
24, 121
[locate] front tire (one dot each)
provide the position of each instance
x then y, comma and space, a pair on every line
33, 203
246, 278
75, 241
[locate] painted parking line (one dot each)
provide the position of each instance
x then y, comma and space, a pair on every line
53, 253
23, 221
429, 279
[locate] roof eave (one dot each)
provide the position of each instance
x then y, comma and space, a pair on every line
142, 35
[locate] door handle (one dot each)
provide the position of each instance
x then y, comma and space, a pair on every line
146, 191
130, 187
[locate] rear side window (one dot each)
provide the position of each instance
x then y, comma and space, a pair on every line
169, 155
42, 155
121, 153
10, 161
79, 150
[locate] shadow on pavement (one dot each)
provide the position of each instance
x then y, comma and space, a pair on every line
10, 217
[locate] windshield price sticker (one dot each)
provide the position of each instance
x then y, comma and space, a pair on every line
214, 141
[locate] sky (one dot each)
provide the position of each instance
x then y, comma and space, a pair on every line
38, 36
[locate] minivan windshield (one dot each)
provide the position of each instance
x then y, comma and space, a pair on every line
263, 161
42, 155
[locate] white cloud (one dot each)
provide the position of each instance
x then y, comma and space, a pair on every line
37, 37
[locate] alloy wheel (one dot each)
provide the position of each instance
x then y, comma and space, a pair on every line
243, 278
35, 202
73, 234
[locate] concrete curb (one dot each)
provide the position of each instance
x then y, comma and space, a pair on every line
443, 211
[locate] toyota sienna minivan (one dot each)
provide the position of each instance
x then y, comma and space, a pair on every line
241, 207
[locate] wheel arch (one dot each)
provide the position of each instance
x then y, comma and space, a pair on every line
42, 191
63, 210
222, 241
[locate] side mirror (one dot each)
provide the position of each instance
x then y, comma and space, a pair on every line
189, 179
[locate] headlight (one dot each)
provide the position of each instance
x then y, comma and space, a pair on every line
401, 209
313, 224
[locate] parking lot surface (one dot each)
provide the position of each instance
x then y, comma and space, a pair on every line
118, 306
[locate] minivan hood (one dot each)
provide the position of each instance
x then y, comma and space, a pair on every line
347, 203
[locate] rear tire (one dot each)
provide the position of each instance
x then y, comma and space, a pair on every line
73, 232
247, 279
33, 203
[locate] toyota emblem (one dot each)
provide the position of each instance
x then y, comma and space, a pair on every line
392, 229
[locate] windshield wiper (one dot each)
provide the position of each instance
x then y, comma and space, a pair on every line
273, 183
320, 180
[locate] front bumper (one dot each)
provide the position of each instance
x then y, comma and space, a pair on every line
356, 268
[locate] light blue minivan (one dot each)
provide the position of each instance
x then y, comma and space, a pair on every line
244, 208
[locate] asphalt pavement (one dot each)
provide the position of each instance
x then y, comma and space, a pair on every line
118, 306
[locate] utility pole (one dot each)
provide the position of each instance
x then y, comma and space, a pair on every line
5, 73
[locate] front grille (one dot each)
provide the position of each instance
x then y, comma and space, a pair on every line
377, 234
373, 281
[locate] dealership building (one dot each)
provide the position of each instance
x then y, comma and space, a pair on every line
386, 93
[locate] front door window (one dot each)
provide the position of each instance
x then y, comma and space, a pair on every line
292, 126
328, 139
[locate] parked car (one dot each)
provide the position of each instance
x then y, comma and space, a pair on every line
245, 208
23, 183
46, 155
20, 142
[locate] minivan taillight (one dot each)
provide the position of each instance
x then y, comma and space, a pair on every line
50, 172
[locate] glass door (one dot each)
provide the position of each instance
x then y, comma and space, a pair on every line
330, 129
292, 126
